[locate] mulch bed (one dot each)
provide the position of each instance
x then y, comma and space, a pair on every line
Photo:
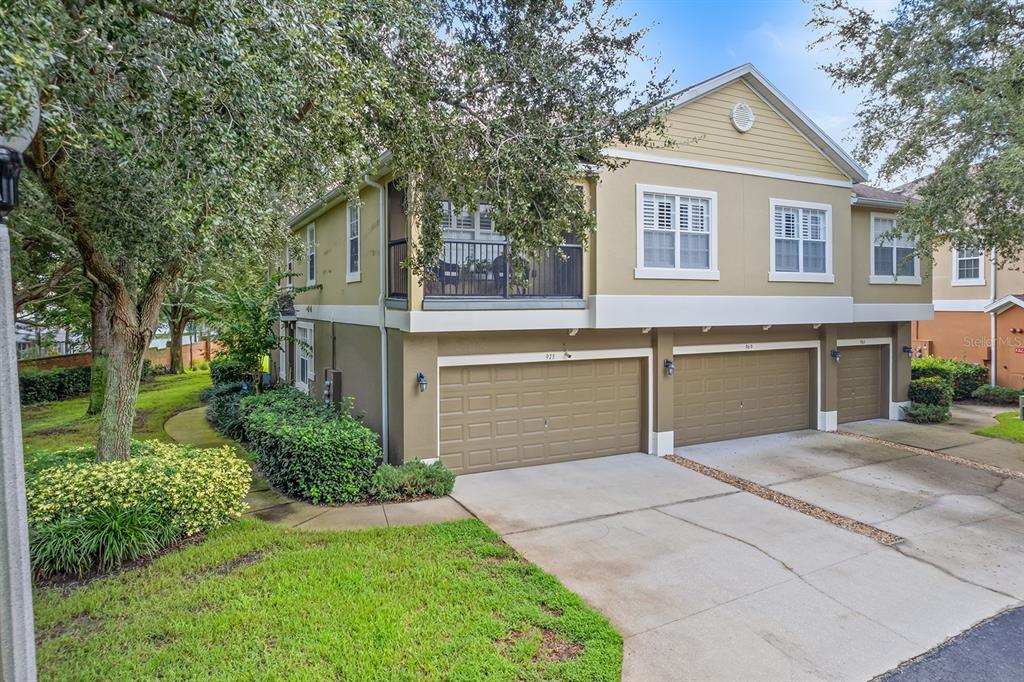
845, 522
990, 468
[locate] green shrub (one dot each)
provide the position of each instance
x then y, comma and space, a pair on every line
227, 370
964, 377
47, 385
307, 449
931, 391
999, 395
103, 538
926, 414
217, 390
194, 490
410, 480
222, 410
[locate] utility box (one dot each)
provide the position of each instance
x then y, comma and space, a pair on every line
332, 386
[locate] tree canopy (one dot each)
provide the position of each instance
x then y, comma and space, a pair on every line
944, 87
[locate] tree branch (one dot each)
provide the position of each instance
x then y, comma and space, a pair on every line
41, 289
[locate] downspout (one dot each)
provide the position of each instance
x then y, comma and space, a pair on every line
992, 332
382, 228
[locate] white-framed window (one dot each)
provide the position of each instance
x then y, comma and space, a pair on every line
893, 260
466, 225
352, 260
289, 265
801, 242
968, 267
304, 355
311, 254
676, 233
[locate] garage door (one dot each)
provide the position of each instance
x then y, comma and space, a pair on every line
500, 416
734, 395
860, 383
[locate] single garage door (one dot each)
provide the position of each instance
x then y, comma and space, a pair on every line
501, 416
733, 395
860, 383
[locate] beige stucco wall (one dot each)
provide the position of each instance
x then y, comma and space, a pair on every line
744, 232
703, 131
863, 290
356, 352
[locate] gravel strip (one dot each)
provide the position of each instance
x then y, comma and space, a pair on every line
877, 534
991, 468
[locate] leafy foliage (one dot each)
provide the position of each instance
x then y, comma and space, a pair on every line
931, 391
920, 413
411, 480
942, 86
223, 410
965, 377
307, 449
998, 395
43, 386
229, 369
193, 490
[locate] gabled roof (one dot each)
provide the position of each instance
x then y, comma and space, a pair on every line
866, 195
1004, 303
756, 81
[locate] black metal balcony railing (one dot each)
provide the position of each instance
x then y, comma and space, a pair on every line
471, 269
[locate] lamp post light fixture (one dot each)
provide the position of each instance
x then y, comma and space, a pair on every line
17, 641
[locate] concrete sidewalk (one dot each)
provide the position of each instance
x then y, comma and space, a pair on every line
191, 428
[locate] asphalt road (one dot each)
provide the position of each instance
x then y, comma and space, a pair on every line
992, 651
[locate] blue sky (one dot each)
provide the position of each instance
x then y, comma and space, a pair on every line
697, 39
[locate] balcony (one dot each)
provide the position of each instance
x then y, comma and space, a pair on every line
479, 275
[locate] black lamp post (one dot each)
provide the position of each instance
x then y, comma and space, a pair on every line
17, 643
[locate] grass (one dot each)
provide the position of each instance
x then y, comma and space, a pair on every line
1009, 427
255, 602
63, 424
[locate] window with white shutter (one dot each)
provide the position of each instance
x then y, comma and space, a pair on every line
676, 233
893, 259
463, 225
801, 242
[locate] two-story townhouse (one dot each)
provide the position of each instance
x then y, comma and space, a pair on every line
979, 314
732, 289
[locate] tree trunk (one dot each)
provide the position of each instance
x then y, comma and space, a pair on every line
100, 342
117, 418
177, 330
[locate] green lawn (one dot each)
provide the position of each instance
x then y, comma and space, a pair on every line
1010, 427
63, 424
255, 602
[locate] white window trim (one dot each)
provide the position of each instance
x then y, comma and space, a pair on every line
887, 279
301, 382
350, 274
310, 240
289, 266
643, 272
282, 358
479, 235
972, 282
827, 277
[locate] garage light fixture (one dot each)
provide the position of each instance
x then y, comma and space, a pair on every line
836, 355
909, 351
670, 367
421, 381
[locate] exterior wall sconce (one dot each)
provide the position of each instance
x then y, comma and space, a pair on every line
421, 381
909, 351
836, 355
670, 367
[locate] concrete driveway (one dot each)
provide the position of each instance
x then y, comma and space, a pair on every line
706, 582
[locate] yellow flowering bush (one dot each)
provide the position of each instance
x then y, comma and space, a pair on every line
194, 489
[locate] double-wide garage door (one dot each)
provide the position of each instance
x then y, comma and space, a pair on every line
501, 416
719, 396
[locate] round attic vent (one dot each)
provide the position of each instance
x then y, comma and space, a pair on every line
742, 117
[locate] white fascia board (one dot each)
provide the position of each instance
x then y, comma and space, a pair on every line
960, 305
1003, 303
892, 312
618, 311
368, 315
337, 195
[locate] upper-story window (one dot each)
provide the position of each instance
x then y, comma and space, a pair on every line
677, 233
801, 242
466, 225
289, 265
968, 267
352, 264
893, 259
311, 254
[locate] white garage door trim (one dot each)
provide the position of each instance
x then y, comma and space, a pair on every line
552, 356
895, 408
827, 421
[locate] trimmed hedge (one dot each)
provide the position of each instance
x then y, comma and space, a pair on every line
999, 395
964, 377
920, 413
227, 370
308, 450
222, 409
931, 391
411, 480
47, 385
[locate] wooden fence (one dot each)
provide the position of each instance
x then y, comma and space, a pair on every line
160, 357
